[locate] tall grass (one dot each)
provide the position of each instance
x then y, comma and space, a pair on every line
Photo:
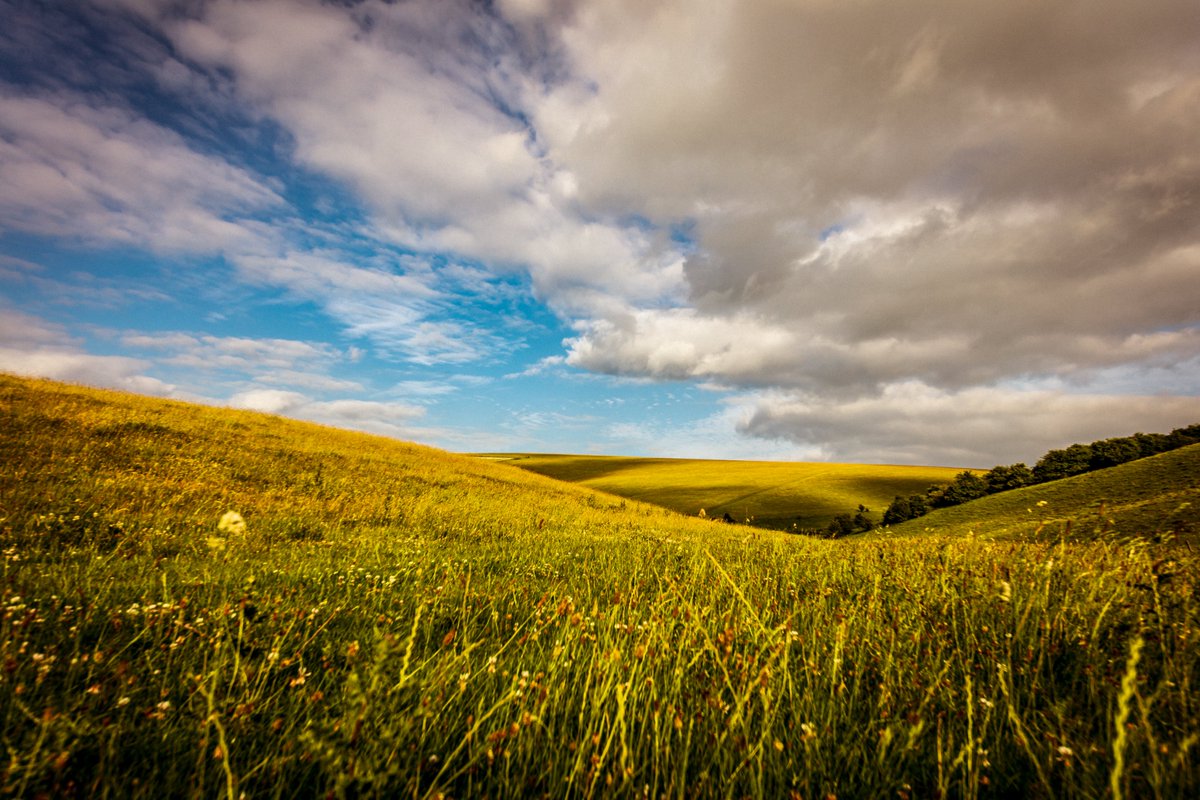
398, 622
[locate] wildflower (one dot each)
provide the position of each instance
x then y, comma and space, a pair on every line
232, 524
1005, 591
124, 701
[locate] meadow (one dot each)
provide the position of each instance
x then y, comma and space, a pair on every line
388, 620
1155, 496
769, 494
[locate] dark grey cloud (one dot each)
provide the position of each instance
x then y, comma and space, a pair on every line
953, 196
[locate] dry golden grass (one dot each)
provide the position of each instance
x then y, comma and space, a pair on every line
779, 495
395, 621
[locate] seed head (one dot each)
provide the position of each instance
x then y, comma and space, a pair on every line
232, 524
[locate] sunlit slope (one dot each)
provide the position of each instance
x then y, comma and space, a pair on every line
82, 463
1141, 497
774, 494
399, 622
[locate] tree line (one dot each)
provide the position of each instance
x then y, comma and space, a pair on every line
1055, 465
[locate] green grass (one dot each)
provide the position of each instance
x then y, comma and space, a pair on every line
400, 622
1160, 494
771, 494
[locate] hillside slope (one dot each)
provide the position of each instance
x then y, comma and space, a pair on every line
1156, 494
771, 494
85, 463
393, 621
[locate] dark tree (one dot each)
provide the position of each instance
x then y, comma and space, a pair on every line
1058, 464
966, 486
1182, 437
1111, 452
899, 511
1151, 444
862, 522
1003, 479
842, 525
903, 509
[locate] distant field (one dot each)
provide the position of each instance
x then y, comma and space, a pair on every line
770, 494
1153, 494
388, 620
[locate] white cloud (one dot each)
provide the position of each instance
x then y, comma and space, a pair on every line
266, 362
798, 138
840, 245
204, 351
417, 107
718, 435
81, 170
389, 419
269, 401
424, 388
912, 423
31, 346
98, 174
539, 367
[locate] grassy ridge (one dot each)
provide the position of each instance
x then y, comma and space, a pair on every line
775, 494
396, 621
1160, 493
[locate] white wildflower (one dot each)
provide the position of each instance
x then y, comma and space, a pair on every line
232, 524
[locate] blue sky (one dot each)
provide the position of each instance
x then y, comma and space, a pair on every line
786, 231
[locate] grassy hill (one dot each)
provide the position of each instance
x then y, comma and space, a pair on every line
772, 494
1156, 494
388, 620
153, 475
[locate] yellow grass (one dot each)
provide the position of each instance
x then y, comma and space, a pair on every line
775, 494
384, 620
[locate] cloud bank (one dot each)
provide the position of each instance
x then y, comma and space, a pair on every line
931, 232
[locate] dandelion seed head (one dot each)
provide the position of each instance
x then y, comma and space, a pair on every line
232, 524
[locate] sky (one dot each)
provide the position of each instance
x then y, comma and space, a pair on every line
929, 232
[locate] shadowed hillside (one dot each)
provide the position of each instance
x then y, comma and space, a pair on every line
772, 494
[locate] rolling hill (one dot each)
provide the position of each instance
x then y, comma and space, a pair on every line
770, 494
80, 461
203, 602
1156, 494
